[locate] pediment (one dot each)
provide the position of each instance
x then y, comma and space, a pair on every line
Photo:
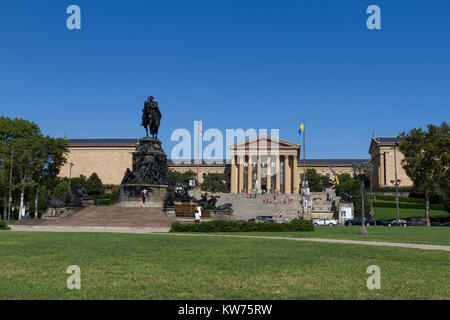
264, 142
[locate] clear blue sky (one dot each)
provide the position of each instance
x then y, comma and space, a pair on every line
233, 64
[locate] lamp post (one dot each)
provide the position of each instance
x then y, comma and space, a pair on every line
396, 184
10, 185
372, 213
70, 175
362, 170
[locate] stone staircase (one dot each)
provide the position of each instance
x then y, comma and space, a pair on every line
245, 208
108, 216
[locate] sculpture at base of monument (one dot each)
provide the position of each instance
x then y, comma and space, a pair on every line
76, 198
180, 195
210, 204
54, 202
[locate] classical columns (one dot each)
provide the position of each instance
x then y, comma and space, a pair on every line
287, 175
269, 173
296, 178
241, 173
250, 173
234, 175
258, 175
277, 176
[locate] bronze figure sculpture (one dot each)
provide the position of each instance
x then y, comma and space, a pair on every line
151, 117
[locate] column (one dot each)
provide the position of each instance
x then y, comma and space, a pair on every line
269, 173
296, 179
382, 177
234, 175
287, 175
277, 177
250, 173
258, 176
241, 173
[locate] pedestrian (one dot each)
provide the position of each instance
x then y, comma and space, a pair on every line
143, 196
23, 212
198, 214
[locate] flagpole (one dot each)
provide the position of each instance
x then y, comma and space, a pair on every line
304, 150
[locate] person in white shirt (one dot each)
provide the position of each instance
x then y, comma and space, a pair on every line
198, 213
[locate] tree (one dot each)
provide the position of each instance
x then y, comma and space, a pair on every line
36, 157
317, 183
177, 178
214, 182
427, 161
94, 185
51, 155
353, 184
347, 182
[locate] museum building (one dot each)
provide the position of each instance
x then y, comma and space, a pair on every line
263, 162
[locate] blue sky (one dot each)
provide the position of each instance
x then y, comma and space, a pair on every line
232, 64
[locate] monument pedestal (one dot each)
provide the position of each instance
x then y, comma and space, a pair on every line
149, 173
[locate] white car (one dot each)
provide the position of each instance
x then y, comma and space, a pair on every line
325, 222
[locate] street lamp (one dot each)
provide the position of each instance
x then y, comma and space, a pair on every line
362, 171
70, 174
397, 182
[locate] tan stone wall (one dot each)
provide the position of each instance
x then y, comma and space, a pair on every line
390, 168
109, 163
384, 156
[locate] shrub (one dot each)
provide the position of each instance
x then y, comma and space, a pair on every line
4, 226
405, 205
401, 199
238, 226
94, 185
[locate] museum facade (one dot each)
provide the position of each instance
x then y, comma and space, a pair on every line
262, 163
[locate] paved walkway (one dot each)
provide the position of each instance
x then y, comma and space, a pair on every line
140, 230
159, 230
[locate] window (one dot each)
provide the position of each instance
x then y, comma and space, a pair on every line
204, 175
328, 175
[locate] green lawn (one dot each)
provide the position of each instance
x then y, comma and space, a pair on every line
391, 213
432, 235
132, 266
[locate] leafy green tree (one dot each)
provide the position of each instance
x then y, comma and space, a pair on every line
214, 182
180, 178
347, 182
427, 161
35, 158
317, 183
61, 189
50, 156
94, 185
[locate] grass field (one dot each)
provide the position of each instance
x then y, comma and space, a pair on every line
391, 213
130, 266
425, 235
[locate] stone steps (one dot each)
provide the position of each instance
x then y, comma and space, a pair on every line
108, 216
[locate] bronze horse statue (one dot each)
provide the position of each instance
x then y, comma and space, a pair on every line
151, 117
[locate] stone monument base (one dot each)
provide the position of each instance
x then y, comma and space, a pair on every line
131, 194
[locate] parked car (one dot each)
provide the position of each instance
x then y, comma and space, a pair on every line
416, 221
393, 223
357, 221
325, 222
262, 219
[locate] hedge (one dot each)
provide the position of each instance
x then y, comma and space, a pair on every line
440, 219
4, 225
404, 205
237, 226
402, 199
